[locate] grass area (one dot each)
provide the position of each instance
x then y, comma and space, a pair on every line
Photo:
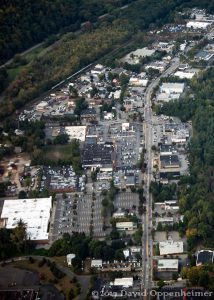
13, 72
64, 284
56, 152
34, 53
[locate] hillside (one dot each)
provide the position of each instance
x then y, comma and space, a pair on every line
25, 23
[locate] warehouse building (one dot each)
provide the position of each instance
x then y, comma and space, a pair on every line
97, 155
172, 88
170, 265
171, 247
35, 213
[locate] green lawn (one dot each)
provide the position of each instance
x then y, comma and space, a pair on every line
55, 152
13, 72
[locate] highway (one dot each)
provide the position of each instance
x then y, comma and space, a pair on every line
147, 242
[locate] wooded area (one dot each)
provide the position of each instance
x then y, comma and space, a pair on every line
26, 23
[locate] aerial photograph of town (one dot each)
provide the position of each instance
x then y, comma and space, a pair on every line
106, 149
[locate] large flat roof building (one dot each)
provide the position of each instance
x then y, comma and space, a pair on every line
35, 213
172, 88
124, 282
97, 155
168, 265
76, 132
171, 247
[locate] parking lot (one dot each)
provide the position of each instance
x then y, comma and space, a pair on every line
128, 201
61, 179
78, 213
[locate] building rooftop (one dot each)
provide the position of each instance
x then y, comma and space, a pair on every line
76, 132
34, 212
97, 154
167, 264
205, 257
125, 282
171, 247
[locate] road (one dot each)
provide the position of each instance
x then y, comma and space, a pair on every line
147, 242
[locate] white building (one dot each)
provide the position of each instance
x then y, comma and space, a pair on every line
180, 136
76, 132
98, 70
185, 75
172, 88
168, 265
156, 65
108, 116
35, 213
42, 106
171, 247
119, 214
96, 263
198, 25
69, 258
126, 226
125, 282
135, 81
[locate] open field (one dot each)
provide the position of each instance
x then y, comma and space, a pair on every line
56, 152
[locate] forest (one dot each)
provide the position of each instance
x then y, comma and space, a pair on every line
26, 23
196, 192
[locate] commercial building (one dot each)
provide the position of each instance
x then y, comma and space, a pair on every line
125, 282
126, 226
42, 106
135, 81
97, 155
198, 25
170, 265
88, 114
156, 65
169, 161
204, 55
171, 247
35, 213
185, 74
96, 263
205, 257
172, 88
166, 149
76, 132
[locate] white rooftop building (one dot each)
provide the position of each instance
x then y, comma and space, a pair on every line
124, 282
171, 247
198, 25
35, 213
69, 258
76, 132
135, 81
172, 88
168, 265
42, 106
185, 75
126, 226
96, 263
